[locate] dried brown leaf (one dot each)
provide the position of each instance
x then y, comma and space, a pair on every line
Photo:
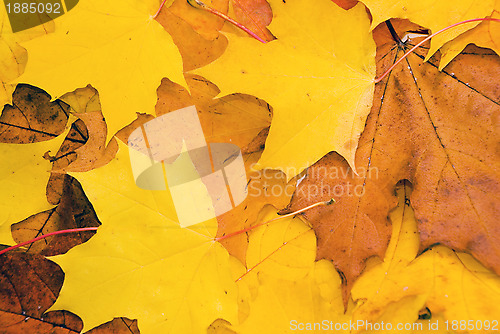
439, 130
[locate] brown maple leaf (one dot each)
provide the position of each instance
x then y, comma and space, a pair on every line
439, 130
73, 211
29, 285
242, 120
32, 117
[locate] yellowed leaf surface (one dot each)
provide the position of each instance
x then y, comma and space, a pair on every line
141, 264
284, 248
23, 177
486, 35
124, 53
288, 289
317, 76
285, 306
434, 15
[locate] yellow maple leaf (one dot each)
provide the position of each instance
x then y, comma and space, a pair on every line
317, 76
141, 264
284, 248
285, 306
452, 285
432, 14
24, 174
288, 289
114, 45
485, 35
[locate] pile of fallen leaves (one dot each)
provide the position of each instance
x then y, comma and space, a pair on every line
412, 163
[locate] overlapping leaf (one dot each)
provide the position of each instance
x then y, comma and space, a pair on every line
203, 22
141, 264
196, 51
285, 282
32, 117
451, 285
85, 104
264, 187
434, 15
124, 53
73, 211
241, 120
23, 178
435, 129
317, 76
486, 35
235, 119
255, 15
30, 284
13, 56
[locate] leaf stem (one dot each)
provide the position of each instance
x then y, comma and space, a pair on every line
74, 230
83, 229
377, 80
274, 219
159, 9
393, 32
201, 5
